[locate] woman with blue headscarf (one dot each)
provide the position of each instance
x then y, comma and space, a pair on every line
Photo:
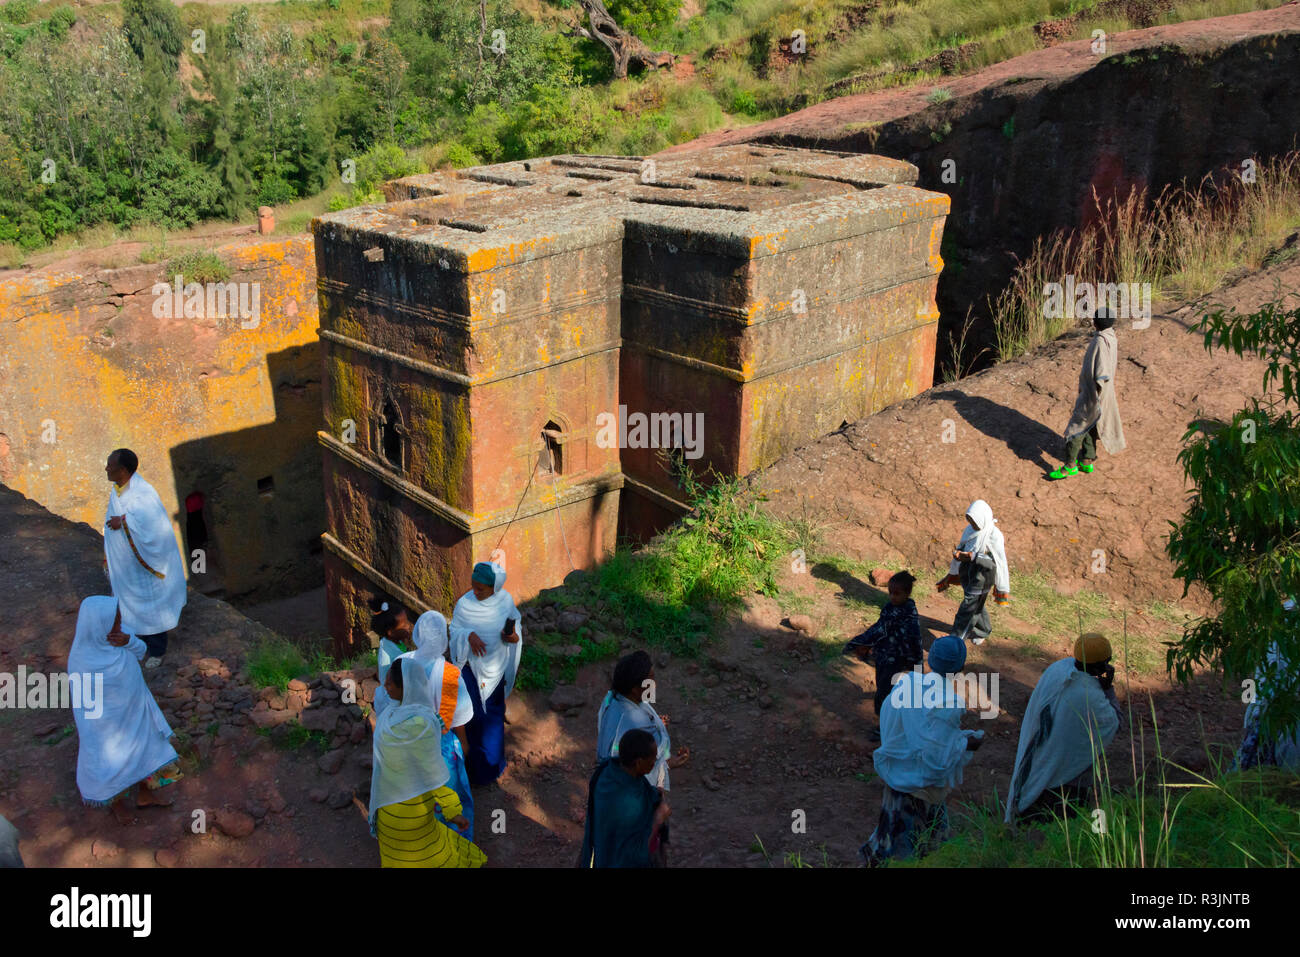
486, 644
922, 753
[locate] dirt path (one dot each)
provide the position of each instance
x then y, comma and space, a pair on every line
1053, 63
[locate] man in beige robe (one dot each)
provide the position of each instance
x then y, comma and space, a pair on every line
1096, 411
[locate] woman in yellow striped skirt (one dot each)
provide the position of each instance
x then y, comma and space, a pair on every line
408, 781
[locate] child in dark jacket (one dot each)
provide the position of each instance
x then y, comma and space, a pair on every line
894, 641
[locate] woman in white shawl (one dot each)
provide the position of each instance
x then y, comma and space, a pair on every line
124, 738
142, 556
455, 708
486, 644
923, 752
408, 780
979, 565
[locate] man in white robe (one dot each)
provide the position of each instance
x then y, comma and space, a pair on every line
1072, 716
1096, 410
143, 558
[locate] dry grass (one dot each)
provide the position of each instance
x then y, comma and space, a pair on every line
1185, 243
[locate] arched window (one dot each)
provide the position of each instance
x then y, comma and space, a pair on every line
550, 459
391, 434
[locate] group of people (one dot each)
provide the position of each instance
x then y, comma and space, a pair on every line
125, 757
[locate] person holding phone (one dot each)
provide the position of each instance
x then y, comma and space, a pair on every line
1071, 717
486, 643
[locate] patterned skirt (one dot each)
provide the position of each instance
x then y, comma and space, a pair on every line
909, 826
410, 834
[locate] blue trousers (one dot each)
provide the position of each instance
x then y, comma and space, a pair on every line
451, 753
486, 733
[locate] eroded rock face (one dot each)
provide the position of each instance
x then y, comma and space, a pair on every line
574, 318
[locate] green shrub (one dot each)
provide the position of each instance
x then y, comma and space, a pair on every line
274, 663
201, 266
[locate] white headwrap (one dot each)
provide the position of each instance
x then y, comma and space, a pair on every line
407, 752
985, 538
125, 738
500, 662
430, 637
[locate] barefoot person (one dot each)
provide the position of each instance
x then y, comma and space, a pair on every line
921, 757
979, 565
123, 737
894, 641
486, 644
1096, 410
408, 781
1071, 717
144, 561
625, 813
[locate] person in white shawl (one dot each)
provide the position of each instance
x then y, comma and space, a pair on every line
143, 558
1071, 717
626, 706
922, 755
124, 740
1096, 409
408, 780
486, 644
979, 565
1281, 748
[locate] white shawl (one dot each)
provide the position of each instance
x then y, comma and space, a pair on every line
500, 662
126, 739
151, 603
986, 537
1076, 723
618, 716
431, 642
922, 745
407, 752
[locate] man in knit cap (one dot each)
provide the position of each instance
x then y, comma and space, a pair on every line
1071, 717
1096, 410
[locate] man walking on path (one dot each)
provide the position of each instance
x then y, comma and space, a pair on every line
144, 561
1096, 411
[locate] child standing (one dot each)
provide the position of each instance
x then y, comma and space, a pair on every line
894, 641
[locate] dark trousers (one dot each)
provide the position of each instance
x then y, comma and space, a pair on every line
486, 733
1082, 448
157, 644
885, 671
973, 611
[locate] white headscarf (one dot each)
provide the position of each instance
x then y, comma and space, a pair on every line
430, 637
407, 752
500, 662
986, 537
125, 738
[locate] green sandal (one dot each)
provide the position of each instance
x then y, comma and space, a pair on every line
1086, 467
1065, 471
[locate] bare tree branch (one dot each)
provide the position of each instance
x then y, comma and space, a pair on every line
626, 48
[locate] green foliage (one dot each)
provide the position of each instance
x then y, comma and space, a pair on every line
648, 19
274, 663
153, 27
1240, 535
19, 11
201, 266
